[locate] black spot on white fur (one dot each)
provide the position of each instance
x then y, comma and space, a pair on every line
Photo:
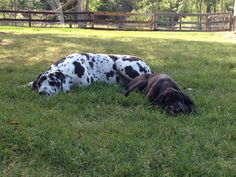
141, 68
131, 72
114, 58
110, 74
79, 69
55, 83
91, 64
40, 80
114, 67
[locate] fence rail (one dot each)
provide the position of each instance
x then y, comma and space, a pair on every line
122, 20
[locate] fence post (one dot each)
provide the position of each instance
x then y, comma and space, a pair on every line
234, 23
230, 22
153, 22
180, 23
70, 21
207, 22
30, 18
92, 19
234, 17
172, 22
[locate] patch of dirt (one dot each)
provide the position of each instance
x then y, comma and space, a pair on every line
3, 32
4, 42
230, 35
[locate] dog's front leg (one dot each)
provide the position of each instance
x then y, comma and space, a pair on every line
140, 85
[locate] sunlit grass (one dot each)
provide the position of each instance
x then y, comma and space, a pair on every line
96, 131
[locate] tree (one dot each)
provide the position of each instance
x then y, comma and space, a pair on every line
87, 6
79, 6
235, 8
188, 6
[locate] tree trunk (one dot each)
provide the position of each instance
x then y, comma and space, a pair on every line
80, 16
14, 5
14, 8
234, 18
208, 9
87, 6
200, 6
222, 5
200, 11
79, 5
235, 8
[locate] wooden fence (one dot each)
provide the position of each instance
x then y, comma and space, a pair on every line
121, 21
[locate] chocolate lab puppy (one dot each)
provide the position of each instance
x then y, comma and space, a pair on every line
162, 91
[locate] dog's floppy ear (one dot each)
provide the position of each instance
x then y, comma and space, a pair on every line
33, 85
138, 85
59, 75
168, 94
65, 83
160, 99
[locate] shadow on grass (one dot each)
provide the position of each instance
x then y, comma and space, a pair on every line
44, 46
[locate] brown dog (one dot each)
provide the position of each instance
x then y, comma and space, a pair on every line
162, 91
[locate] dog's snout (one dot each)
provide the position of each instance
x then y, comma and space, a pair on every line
181, 108
43, 91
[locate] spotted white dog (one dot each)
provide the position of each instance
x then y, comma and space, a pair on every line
82, 69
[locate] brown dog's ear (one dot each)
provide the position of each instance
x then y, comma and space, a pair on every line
169, 95
139, 85
160, 99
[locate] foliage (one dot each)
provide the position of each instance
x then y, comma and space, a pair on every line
187, 6
162, 5
96, 131
229, 5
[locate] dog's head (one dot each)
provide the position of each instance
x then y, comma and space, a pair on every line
175, 102
49, 83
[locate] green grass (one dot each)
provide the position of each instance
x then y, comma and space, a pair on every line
96, 131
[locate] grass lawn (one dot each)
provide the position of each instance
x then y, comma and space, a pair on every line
96, 131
